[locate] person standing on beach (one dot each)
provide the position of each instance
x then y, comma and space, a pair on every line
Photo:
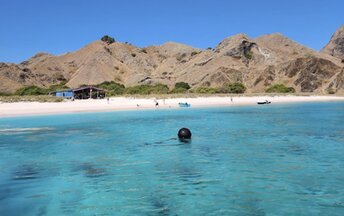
108, 100
232, 99
156, 103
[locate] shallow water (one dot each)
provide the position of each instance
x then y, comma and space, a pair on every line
257, 160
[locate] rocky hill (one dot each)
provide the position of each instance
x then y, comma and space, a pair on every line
336, 45
258, 63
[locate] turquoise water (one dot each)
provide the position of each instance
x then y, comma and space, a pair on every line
257, 160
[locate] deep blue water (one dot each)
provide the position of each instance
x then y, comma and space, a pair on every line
256, 160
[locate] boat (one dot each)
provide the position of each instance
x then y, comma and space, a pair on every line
184, 104
264, 102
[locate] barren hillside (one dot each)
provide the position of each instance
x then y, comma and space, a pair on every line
258, 63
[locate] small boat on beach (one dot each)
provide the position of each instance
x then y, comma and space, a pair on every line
263, 102
184, 104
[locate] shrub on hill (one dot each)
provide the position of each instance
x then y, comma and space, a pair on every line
223, 90
331, 91
4, 94
113, 87
181, 87
236, 88
248, 54
107, 39
178, 91
31, 90
160, 89
147, 89
57, 87
204, 90
233, 88
194, 53
280, 88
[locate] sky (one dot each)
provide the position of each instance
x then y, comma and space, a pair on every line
60, 26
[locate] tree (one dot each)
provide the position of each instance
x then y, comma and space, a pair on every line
107, 39
182, 85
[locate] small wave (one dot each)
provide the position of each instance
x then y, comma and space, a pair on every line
206, 181
25, 130
134, 163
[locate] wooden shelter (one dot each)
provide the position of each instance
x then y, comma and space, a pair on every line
85, 92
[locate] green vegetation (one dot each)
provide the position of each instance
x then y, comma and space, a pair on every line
233, 88
35, 90
204, 90
31, 90
4, 94
236, 88
248, 54
109, 40
180, 87
112, 87
194, 53
280, 88
30, 98
178, 91
147, 89
331, 91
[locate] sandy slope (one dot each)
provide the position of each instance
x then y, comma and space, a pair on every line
121, 103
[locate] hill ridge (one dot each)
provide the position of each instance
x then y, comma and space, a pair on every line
256, 62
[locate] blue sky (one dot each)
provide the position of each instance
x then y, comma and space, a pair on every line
59, 26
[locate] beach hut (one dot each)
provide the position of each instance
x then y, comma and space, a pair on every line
68, 94
85, 92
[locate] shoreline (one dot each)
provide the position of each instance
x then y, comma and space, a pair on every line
21, 109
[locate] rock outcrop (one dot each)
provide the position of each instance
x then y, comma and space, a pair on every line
336, 45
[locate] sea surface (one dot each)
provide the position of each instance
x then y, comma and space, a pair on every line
249, 160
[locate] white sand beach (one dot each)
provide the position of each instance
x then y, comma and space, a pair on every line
127, 103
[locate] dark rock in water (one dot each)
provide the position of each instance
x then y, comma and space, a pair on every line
184, 133
25, 173
91, 171
160, 205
